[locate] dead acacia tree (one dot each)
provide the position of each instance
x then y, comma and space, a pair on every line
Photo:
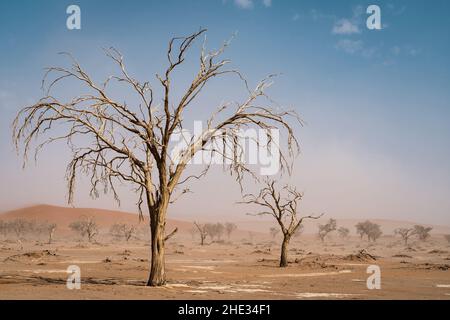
117, 142
405, 233
202, 231
422, 232
283, 206
48, 229
325, 229
122, 230
343, 232
86, 226
229, 228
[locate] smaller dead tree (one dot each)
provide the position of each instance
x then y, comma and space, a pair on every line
325, 229
48, 229
220, 229
211, 230
4, 228
447, 237
202, 232
85, 227
20, 227
229, 228
423, 233
215, 230
343, 232
405, 233
122, 230
281, 205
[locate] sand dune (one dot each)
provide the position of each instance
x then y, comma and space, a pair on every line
63, 216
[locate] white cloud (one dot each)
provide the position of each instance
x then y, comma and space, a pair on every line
350, 46
357, 47
396, 50
295, 17
317, 15
244, 4
345, 26
267, 3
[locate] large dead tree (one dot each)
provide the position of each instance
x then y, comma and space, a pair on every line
283, 206
114, 142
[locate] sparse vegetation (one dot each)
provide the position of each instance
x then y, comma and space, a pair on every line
423, 233
229, 228
325, 229
85, 227
20, 227
3, 228
343, 232
369, 229
122, 231
48, 229
405, 233
214, 230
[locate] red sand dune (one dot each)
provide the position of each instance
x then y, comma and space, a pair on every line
63, 216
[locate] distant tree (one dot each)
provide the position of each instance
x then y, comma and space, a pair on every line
282, 206
3, 228
229, 228
405, 233
214, 230
202, 232
274, 231
211, 230
220, 229
47, 229
85, 227
369, 229
325, 229
123, 230
423, 233
20, 227
447, 237
343, 232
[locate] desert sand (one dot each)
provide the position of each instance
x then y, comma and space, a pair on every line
242, 267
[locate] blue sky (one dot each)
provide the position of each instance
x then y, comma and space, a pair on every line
376, 102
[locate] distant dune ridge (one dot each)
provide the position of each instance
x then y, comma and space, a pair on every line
63, 216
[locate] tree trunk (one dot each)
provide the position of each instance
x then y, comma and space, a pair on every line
157, 228
284, 250
50, 237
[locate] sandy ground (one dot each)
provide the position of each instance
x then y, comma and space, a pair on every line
236, 269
